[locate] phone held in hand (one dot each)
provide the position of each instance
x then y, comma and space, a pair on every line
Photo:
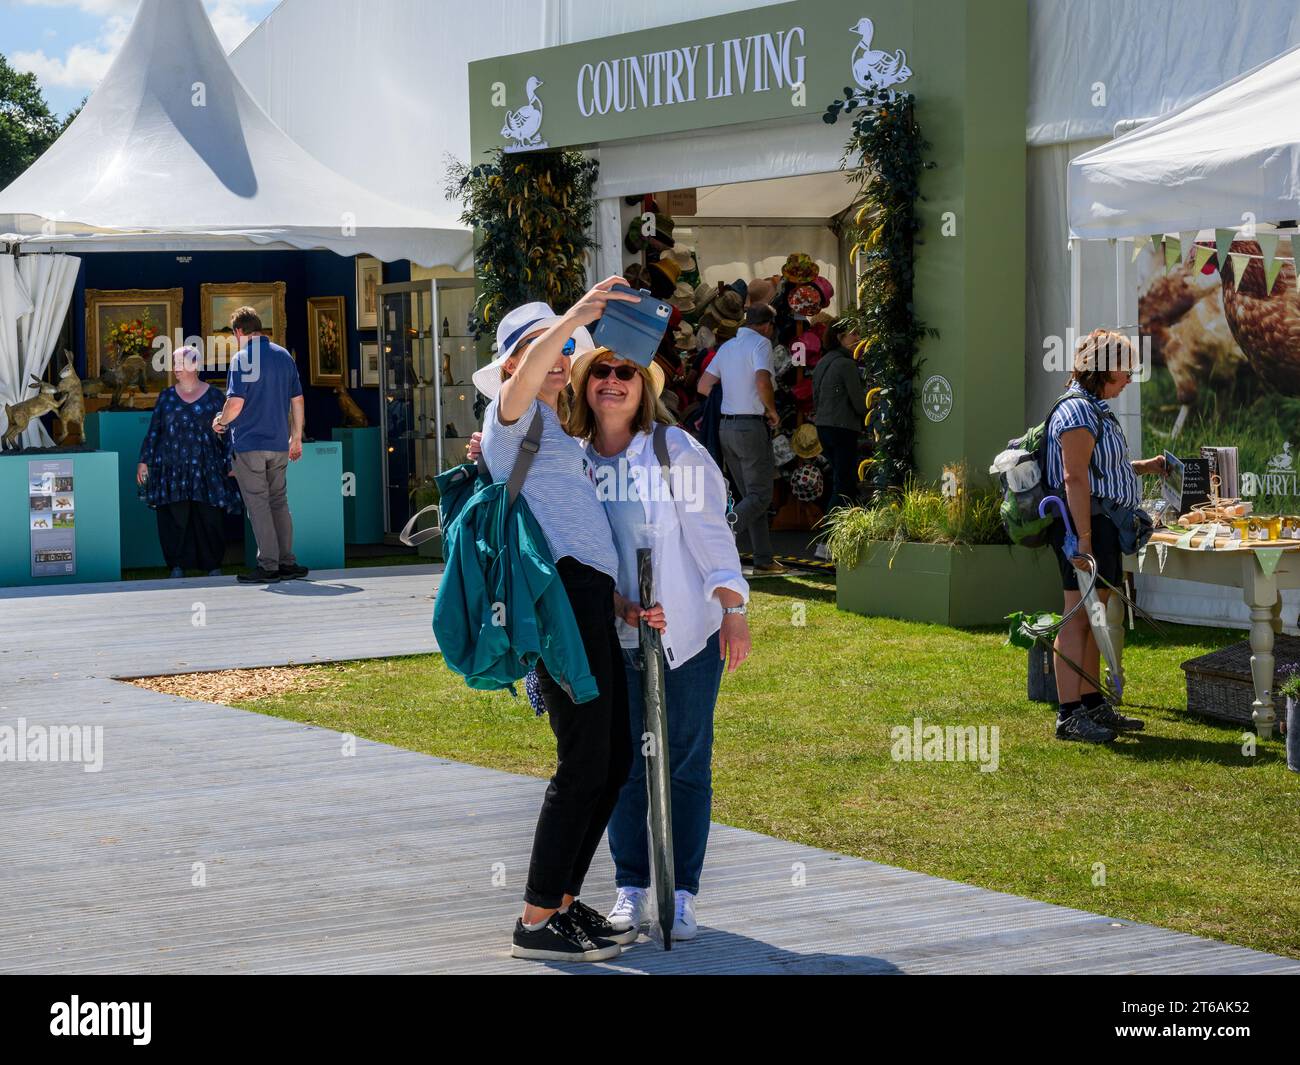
633, 330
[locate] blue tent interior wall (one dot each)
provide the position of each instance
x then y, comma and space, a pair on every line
305, 274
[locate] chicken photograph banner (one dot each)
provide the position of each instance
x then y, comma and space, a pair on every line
1225, 354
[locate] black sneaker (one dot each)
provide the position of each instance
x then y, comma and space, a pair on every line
1107, 716
1078, 726
292, 573
259, 576
560, 939
598, 927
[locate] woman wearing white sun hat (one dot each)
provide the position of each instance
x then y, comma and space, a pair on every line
526, 382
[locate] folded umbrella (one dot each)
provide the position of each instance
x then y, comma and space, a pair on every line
1091, 602
655, 748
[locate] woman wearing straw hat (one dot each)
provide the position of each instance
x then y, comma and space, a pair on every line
528, 380
701, 609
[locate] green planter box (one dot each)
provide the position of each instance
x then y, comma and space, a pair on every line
949, 585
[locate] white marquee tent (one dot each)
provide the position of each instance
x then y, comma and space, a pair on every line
1234, 150
1228, 155
172, 153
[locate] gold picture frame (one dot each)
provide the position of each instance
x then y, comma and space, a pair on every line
220, 301
370, 275
106, 308
327, 340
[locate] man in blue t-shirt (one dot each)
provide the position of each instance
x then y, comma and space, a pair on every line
264, 416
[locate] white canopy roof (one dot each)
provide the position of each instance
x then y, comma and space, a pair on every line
172, 151
1234, 150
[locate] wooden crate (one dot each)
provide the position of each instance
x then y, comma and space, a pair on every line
1219, 684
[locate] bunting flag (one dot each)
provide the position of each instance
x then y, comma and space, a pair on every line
1142, 557
1157, 239
1208, 543
1223, 244
1239, 264
1162, 553
1268, 558
1185, 541
1268, 245
1138, 245
1203, 255
1187, 241
1173, 252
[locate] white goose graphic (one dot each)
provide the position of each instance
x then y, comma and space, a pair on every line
525, 125
873, 69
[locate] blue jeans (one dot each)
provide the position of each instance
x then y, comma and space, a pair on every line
692, 693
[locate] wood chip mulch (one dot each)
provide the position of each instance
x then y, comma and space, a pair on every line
231, 686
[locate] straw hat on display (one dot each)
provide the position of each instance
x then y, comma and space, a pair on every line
683, 257
685, 337
782, 452
683, 298
705, 294
805, 442
515, 327
584, 362
636, 277
729, 310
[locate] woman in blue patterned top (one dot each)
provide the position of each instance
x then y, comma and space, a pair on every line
1089, 466
185, 471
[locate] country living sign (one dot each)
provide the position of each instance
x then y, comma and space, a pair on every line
782, 61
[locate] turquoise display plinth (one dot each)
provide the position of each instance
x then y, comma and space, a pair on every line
316, 504
123, 432
98, 545
363, 500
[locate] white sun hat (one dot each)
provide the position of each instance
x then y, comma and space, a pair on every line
514, 327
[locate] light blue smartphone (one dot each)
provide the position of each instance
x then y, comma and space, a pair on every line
633, 330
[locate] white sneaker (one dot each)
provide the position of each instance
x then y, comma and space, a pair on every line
631, 909
685, 925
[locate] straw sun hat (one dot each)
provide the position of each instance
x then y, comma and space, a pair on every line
582, 363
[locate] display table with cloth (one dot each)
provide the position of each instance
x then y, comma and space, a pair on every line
1259, 568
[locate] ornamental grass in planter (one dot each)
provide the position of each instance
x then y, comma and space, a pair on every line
921, 555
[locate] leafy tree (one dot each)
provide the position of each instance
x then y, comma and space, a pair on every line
27, 126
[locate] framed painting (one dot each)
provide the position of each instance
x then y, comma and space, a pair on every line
327, 340
219, 302
122, 323
370, 275
370, 371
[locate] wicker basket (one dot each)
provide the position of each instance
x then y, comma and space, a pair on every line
1219, 684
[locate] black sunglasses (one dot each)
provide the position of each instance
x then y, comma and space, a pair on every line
602, 370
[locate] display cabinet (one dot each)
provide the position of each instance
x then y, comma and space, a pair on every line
427, 357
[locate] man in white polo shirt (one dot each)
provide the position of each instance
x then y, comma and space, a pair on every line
743, 367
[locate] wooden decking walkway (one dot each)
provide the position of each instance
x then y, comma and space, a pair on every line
392, 861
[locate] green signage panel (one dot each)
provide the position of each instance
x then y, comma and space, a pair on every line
771, 63
965, 62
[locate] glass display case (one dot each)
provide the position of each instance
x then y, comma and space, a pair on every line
427, 357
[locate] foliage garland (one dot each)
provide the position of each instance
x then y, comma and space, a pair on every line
531, 213
884, 153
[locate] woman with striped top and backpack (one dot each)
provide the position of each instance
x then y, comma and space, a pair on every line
1088, 465
527, 385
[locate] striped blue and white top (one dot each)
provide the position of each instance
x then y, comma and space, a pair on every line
1110, 474
560, 489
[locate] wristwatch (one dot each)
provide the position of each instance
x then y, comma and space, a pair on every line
735, 609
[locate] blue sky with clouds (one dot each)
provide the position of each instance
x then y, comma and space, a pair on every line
69, 44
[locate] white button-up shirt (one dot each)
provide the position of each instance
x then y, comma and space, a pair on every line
693, 550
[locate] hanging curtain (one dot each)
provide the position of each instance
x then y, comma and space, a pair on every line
35, 291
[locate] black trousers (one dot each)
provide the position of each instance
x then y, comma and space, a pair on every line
593, 747
192, 535
841, 449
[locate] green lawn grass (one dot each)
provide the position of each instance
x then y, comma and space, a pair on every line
1193, 834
